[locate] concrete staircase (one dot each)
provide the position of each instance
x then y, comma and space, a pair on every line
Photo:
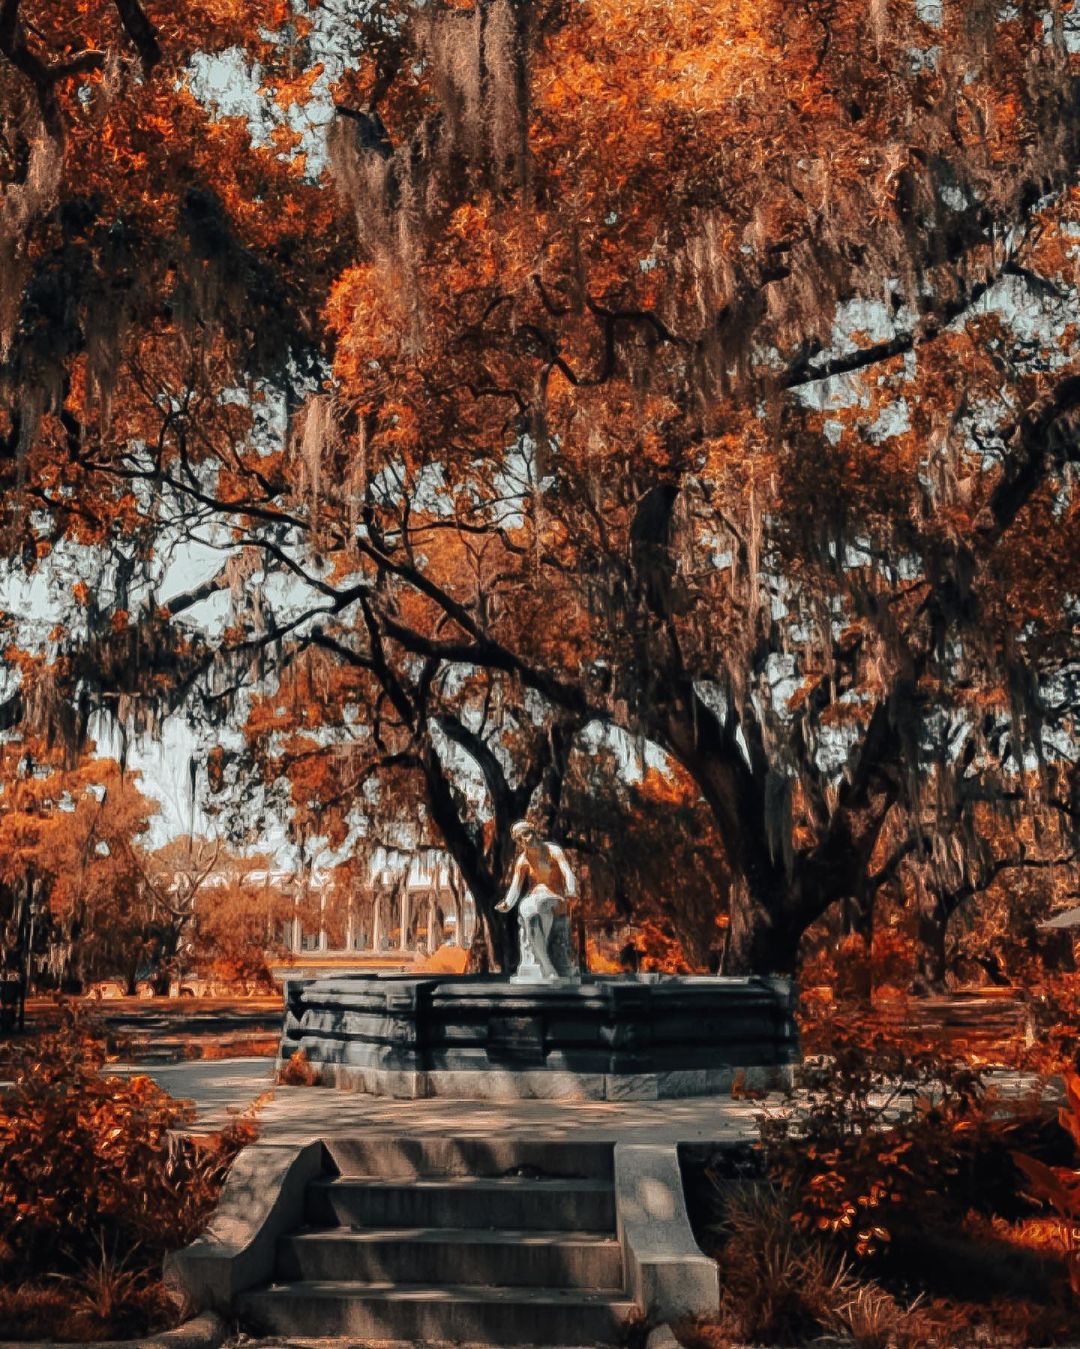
453, 1241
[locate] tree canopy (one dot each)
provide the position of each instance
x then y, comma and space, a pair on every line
705, 373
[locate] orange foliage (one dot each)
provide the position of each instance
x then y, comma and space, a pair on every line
238, 921
92, 1179
1059, 1186
649, 357
651, 893
71, 847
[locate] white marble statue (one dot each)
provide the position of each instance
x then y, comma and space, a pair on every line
541, 886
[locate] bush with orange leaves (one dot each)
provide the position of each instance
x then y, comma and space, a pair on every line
1059, 1186
884, 1137
95, 1188
297, 1071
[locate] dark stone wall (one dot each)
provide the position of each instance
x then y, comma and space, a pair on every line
616, 1026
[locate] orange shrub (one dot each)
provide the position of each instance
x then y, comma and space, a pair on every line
94, 1186
881, 1136
297, 1071
1059, 1186
1055, 1006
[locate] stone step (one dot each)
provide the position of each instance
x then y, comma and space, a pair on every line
392, 1157
463, 1256
430, 1313
515, 1202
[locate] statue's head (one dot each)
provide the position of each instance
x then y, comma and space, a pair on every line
524, 832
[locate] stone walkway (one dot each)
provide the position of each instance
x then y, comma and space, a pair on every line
291, 1115
220, 1088
223, 1088
296, 1113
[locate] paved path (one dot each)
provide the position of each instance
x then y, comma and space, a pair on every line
221, 1088
296, 1113
224, 1087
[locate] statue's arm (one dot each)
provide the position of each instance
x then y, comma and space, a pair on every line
514, 893
569, 880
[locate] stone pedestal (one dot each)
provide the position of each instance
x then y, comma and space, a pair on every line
561, 954
603, 1037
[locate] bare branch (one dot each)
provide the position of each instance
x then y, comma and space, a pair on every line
141, 31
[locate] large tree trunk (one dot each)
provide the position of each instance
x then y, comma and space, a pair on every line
499, 931
778, 891
759, 941
766, 920
482, 879
486, 869
932, 964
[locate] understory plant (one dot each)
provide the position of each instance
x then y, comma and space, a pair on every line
1055, 1005
780, 1285
1059, 1186
882, 1137
297, 1071
96, 1185
881, 1206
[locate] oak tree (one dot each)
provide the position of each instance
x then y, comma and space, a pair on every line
705, 370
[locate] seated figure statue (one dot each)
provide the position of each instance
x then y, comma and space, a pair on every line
541, 885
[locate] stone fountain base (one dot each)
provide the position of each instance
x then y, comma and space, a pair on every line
606, 1037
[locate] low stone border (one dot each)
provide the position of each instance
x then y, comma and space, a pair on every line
205, 1331
667, 1273
262, 1199
602, 1037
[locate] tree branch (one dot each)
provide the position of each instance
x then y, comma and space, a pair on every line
1038, 449
141, 31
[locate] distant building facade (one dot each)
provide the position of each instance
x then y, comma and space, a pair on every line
412, 905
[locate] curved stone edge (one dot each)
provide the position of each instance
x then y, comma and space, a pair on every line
667, 1273
205, 1331
662, 1337
263, 1199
